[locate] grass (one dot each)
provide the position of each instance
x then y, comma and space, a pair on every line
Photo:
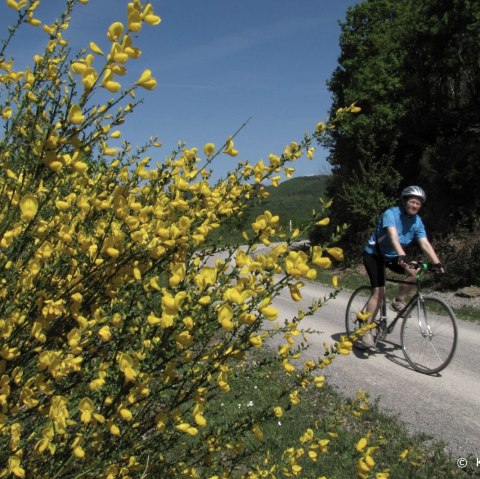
331, 417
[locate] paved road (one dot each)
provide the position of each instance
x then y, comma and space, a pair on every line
445, 406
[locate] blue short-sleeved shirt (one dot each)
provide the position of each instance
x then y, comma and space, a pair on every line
409, 228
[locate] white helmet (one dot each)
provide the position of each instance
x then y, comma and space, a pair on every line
414, 191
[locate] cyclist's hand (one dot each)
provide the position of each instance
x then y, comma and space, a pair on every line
438, 268
406, 261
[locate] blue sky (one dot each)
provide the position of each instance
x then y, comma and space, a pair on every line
218, 63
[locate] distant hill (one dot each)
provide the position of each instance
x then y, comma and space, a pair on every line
294, 199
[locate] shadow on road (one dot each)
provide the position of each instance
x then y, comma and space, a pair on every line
390, 349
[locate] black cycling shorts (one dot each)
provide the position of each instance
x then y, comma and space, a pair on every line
375, 266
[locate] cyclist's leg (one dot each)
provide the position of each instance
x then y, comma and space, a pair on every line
404, 290
375, 267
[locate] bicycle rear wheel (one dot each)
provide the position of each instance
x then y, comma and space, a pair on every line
429, 335
357, 304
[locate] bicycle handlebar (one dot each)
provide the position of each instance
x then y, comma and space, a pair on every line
421, 265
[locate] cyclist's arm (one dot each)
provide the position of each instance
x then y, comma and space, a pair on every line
392, 234
427, 248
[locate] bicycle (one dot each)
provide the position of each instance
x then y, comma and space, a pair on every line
429, 330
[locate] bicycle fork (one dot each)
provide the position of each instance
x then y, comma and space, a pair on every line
421, 319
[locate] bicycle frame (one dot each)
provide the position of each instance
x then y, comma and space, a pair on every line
381, 323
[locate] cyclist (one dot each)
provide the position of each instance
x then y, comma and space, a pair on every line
397, 228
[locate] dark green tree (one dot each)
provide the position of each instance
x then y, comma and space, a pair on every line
413, 68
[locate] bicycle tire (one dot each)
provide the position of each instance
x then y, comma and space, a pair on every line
429, 335
357, 303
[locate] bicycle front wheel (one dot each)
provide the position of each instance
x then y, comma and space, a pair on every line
357, 304
429, 335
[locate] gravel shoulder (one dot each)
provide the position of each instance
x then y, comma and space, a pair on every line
456, 301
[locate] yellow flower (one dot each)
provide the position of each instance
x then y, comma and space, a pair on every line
114, 429
276, 181
115, 31
134, 18
255, 341
313, 456
320, 127
28, 207
257, 432
78, 452
147, 81
59, 414
319, 381
289, 368
179, 271
95, 48
200, 420
323, 222
125, 414
362, 316
86, 407
318, 259
278, 411
105, 333
270, 313
361, 444
187, 428
225, 316
171, 304
296, 265
6, 112
229, 150
336, 252
149, 17
307, 436
204, 300
209, 149
294, 399
354, 108
345, 347
112, 252
14, 467
75, 115
16, 5
404, 454
128, 366
323, 444
295, 291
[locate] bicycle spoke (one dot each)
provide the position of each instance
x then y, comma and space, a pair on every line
429, 335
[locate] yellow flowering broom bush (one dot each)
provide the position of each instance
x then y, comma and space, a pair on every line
120, 320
